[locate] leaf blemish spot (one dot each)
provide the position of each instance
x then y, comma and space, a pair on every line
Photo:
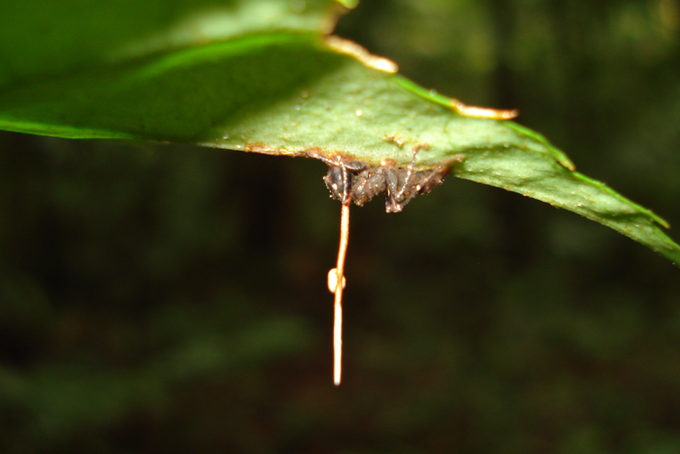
398, 141
256, 147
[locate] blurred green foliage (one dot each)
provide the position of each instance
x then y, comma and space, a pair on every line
172, 299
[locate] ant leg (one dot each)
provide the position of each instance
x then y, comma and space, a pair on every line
316, 154
409, 173
436, 176
398, 195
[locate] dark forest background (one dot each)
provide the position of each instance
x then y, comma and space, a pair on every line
168, 299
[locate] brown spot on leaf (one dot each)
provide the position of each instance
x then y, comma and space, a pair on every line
257, 147
395, 139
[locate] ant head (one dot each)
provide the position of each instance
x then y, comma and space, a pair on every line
337, 181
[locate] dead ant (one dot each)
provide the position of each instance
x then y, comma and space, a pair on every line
353, 181
358, 182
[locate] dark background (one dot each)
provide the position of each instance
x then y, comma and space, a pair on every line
167, 299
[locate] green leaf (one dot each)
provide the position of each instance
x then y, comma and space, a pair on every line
44, 37
274, 90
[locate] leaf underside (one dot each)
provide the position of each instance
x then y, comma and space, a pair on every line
289, 92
